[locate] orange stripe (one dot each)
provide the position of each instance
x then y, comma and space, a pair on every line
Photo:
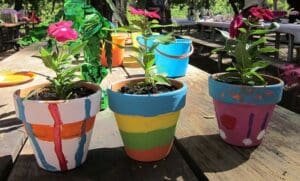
68, 131
150, 155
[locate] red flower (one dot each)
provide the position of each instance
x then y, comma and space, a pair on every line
279, 14
62, 31
260, 13
136, 11
235, 24
268, 15
150, 14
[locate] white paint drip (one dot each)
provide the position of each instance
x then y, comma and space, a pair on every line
261, 135
222, 134
247, 141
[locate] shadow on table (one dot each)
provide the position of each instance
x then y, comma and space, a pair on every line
10, 124
6, 164
107, 164
209, 153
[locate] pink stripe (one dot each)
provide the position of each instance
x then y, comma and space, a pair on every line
53, 108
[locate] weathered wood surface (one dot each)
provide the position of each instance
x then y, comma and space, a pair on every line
106, 159
277, 158
12, 136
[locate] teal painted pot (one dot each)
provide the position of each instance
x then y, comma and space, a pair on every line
243, 112
147, 123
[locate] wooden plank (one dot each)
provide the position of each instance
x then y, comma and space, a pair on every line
12, 135
277, 158
106, 159
201, 41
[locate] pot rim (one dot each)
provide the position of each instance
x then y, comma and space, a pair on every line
91, 85
180, 87
280, 82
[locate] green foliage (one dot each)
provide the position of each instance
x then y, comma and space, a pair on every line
247, 52
93, 29
145, 53
61, 62
35, 35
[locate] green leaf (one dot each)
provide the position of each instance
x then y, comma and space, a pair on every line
243, 30
225, 34
160, 79
242, 56
165, 39
267, 50
76, 47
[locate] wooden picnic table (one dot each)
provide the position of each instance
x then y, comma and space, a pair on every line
199, 153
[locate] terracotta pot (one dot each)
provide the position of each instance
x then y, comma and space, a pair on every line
147, 123
59, 131
117, 52
242, 111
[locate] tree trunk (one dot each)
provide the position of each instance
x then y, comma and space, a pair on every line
234, 7
103, 8
275, 4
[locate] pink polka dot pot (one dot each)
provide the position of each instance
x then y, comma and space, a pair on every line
243, 112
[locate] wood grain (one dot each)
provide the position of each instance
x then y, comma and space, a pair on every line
277, 158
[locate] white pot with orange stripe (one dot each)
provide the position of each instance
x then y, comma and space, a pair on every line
59, 131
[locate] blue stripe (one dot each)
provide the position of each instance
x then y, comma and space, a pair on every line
147, 105
269, 94
32, 137
80, 150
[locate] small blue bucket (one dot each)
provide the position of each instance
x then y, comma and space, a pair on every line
173, 59
150, 42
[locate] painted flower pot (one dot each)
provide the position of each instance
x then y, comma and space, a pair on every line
59, 131
242, 111
147, 123
173, 59
117, 52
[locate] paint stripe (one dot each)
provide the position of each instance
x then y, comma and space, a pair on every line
68, 131
80, 150
143, 141
156, 104
153, 154
264, 124
53, 108
34, 142
140, 124
251, 119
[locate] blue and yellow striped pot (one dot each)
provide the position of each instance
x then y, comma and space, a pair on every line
59, 131
147, 123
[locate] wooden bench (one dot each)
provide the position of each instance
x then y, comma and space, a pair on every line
205, 43
198, 154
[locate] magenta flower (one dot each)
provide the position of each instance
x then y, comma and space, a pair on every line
279, 14
235, 24
62, 31
136, 11
152, 14
260, 13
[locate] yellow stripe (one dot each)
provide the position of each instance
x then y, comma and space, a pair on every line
139, 124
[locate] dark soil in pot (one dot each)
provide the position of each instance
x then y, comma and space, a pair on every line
143, 88
48, 94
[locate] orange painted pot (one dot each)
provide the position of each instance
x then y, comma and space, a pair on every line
59, 131
117, 52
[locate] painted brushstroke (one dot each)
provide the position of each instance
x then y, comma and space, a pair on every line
53, 108
35, 143
80, 150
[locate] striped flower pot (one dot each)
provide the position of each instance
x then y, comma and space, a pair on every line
147, 123
243, 112
59, 131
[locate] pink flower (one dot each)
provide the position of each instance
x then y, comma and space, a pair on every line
235, 24
260, 13
62, 31
152, 14
136, 11
52, 27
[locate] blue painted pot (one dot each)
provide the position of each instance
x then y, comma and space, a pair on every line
243, 112
173, 59
147, 123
